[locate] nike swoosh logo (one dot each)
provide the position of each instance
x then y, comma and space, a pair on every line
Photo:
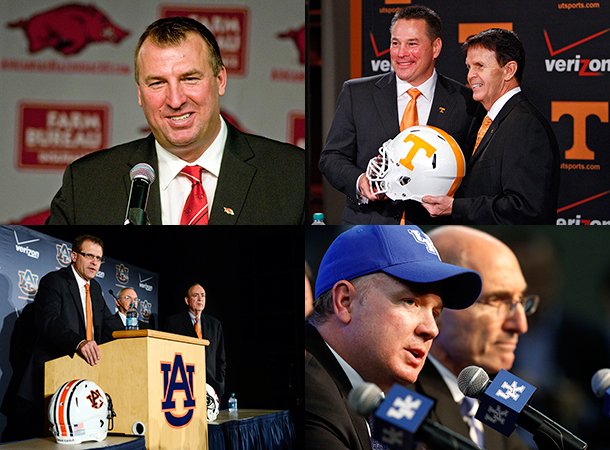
24, 242
145, 280
575, 44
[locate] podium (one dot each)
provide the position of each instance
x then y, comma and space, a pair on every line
156, 381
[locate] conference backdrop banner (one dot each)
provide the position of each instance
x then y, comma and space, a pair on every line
567, 47
27, 255
68, 88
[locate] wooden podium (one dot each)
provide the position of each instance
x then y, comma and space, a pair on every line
156, 381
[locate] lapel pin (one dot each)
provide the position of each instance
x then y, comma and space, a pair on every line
228, 211
441, 109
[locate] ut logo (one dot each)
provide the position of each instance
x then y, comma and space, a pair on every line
95, 398
178, 377
28, 282
63, 254
579, 111
418, 144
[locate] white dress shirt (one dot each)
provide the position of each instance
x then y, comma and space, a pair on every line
499, 104
424, 101
175, 188
83, 296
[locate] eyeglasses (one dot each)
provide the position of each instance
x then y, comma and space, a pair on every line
90, 257
130, 298
507, 306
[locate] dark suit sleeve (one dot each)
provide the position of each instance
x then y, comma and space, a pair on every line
338, 161
522, 170
112, 323
50, 315
62, 206
221, 360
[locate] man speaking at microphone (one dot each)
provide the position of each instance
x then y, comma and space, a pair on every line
379, 292
485, 334
207, 171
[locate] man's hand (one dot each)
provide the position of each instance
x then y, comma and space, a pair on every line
90, 352
438, 205
365, 190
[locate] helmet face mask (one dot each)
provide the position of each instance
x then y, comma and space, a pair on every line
420, 160
80, 411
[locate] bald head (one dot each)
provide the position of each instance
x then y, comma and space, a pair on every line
480, 335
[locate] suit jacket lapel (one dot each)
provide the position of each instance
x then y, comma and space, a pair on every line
442, 104
506, 109
147, 153
188, 325
234, 180
75, 294
385, 99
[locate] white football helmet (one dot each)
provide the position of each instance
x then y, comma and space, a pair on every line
213, 404
420, 160
80, 411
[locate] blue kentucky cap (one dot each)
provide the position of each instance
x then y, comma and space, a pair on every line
405, 252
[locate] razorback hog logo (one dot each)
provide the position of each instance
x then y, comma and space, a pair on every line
69, 28
178, 377
297, 36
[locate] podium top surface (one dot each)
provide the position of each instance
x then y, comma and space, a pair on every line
158, 335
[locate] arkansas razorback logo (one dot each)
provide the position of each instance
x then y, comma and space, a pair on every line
69, 28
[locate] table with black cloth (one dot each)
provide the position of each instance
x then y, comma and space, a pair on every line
251, 429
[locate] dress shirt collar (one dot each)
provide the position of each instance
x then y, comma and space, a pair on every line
123, 318
192, 316
170, 165
426, 88
354, 377
499, 104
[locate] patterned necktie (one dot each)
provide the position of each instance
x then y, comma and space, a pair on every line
484, 126
375, 444
195, 210
198, 328
89, 313
475, 428
409, 117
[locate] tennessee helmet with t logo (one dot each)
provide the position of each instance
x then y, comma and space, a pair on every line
80, 411
420, 160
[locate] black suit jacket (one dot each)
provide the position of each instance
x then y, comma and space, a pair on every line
215, 359
60, 325
366, 117
329, 422
513, 177
446, 412
262, 181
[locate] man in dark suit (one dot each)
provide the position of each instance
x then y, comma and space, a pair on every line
235, 178
485, 334
195, 324
379, 291
65, 325
513, 175
369, 112
123, 302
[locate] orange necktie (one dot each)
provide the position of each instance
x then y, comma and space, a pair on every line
198, 328
89, 313
195, 210
409, 117
484, 126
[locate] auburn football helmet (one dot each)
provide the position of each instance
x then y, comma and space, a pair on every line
420, 160
80, 411
213, 404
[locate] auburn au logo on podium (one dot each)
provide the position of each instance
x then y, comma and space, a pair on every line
178, 383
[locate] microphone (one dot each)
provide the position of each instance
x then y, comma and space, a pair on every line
600, 383
111, 292
401, 418
142, 176
503, 406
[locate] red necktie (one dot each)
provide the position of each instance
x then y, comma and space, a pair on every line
89, 313
195, 210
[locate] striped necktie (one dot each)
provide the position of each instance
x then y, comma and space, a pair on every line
482, 130
468, 410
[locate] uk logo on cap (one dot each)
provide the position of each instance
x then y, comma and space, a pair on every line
424, 240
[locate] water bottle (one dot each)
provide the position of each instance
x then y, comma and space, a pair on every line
131, 318
318, 219
233, 404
